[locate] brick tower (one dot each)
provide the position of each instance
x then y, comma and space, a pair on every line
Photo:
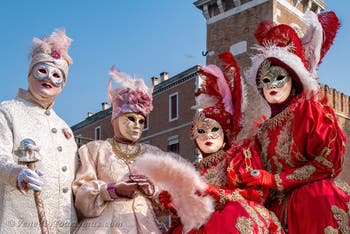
231, 23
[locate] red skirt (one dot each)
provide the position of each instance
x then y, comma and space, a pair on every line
319, 207
238, 217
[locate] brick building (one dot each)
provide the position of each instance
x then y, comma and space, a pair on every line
230, 26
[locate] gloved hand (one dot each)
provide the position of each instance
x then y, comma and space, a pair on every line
213, 191
126, 189
144, 184
259, 178
251, 195
165, 199
28, 179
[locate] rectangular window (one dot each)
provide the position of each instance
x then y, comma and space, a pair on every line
98, 133
173, 144
173, 107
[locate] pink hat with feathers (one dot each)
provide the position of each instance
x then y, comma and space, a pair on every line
132, 96
52, 49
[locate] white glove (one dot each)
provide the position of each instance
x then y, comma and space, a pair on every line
28, 179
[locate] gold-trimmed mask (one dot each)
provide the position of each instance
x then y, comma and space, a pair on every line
271, 76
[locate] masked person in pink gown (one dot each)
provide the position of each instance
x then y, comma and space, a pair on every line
109, 196
227, 153
302, 143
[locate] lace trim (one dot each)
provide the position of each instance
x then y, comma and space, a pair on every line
279, 119
212, 159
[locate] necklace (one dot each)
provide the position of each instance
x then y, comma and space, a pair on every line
125, 156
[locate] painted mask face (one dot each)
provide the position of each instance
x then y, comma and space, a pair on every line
273, 77
130, 125
275, 82
42, 71
209, 135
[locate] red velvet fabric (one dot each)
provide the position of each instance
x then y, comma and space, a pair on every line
304, 147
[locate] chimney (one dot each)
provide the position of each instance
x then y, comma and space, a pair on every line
155, 80
105, 105
163, 76
89, 114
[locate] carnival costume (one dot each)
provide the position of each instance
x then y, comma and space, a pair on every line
30, 118
238, 210
104, 164
302, 143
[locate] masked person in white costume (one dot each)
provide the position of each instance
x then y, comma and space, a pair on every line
30, 116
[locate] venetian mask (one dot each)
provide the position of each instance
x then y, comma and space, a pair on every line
129, 126
42, 71
275, 82
208, 134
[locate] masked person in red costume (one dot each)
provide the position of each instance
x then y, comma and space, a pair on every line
110, 197
227, 152
302, 143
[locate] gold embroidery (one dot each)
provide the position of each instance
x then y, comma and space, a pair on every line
244, 225
284, 141
212, 159
326, 151
248, 162
324, 162
302, 173
279, 182
279, 119
330, 230
342, 219
265, 142
330, 116
343, 186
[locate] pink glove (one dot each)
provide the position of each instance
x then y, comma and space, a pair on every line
259, 178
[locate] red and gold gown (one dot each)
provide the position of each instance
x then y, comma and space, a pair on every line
303, 146
238, 210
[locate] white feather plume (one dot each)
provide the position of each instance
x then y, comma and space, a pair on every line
312, 41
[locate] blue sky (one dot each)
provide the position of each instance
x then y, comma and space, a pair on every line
142, 38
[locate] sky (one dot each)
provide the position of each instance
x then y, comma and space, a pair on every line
142, 38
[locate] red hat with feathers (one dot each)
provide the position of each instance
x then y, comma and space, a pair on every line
220, 95
300, 56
